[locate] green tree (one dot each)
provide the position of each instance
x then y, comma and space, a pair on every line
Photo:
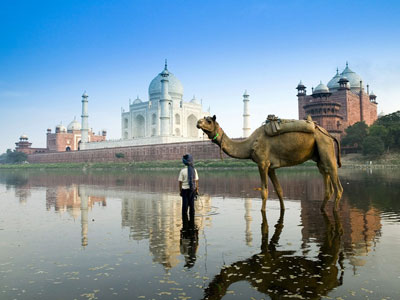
355, 134
382, 132
3, 158
373, 146
12, 157
392, 123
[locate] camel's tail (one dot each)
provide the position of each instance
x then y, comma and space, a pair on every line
338, 157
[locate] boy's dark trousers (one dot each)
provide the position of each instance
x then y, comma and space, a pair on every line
188, 202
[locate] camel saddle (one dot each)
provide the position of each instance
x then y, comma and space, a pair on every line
275, 126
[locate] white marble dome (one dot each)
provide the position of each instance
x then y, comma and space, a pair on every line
175, 86
74, 125
194, 100
137, 101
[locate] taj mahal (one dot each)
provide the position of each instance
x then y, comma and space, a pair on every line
164, 118
165, 114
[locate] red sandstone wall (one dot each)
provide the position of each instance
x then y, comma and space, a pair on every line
349, 110
200, 150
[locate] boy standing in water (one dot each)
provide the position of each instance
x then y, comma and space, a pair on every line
188, 185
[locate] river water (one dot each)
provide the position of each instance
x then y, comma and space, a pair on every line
120, 235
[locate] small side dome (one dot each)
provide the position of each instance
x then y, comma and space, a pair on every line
61, 128
194, 100
137, 101
300, 85
23, 137
74, 125
321, 89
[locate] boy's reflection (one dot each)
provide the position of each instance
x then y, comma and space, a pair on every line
189, 240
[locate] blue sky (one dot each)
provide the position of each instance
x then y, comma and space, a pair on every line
51, 51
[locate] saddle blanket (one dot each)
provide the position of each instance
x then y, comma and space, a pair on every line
275, 126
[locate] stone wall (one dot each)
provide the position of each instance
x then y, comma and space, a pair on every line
349, 110
173, 151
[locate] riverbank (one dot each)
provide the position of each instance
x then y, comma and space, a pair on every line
348, 161
359, 161
154, 165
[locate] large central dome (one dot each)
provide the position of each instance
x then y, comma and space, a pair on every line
175, 87
353, 78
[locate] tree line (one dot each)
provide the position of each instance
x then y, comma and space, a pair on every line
382, 136
12, 157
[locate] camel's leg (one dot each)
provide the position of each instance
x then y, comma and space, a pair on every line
263, 169
337, 186
277, 187
329, 168
328, 186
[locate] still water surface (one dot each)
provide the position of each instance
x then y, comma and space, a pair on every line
105, 235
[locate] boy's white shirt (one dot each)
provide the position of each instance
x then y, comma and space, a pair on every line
183, 176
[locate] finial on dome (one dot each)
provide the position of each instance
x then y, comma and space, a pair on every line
337, 71
165, 72
347, 63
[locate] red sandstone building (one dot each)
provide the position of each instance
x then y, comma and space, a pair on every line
339, 104
63, 139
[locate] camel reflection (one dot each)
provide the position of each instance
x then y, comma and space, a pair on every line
282, 274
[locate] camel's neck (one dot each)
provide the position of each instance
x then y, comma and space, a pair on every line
235, 149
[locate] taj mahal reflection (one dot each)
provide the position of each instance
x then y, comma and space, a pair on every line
157, 218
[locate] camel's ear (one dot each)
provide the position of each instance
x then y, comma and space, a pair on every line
214, 118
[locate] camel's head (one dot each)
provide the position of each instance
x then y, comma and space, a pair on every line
209, 126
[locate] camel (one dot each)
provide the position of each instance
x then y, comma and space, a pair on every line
283, 150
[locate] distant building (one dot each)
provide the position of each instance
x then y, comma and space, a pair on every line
69, 139
25, 146
339, 104
64, 139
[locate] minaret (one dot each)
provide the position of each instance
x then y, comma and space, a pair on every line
84, 217
246, 115
85, 116
301, 96
164, 103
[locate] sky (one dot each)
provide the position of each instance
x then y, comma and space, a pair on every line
52, 51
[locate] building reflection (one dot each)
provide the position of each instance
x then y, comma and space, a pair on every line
158, 218
361, 228
248, 218
75, 201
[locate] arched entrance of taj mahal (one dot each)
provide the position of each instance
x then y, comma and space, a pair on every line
191, 126
138, 127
